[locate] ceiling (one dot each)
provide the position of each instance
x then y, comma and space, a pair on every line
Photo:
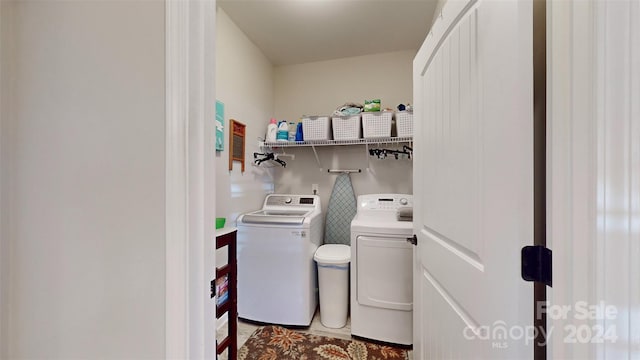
300, 31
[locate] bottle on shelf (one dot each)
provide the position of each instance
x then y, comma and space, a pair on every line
299, 135
292, 131
272, 130
283, 131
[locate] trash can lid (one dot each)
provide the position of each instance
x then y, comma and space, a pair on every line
333, 254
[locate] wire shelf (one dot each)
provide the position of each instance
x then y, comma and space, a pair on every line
385, 140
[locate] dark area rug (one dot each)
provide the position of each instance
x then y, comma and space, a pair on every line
278, 343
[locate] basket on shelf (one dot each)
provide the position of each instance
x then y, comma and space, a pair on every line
376, 124
316, 128
346, 127
404, 123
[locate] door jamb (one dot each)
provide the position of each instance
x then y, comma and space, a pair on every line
539, 164
190, 320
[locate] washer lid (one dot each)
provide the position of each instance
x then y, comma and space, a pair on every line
284, 217
333, 254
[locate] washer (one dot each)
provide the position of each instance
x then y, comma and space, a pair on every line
277, 281
382, 270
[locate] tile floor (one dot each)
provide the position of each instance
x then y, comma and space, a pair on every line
245, 329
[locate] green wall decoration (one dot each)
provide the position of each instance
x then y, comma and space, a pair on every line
219, 126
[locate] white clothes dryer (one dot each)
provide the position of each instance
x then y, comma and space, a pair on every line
277, 276
382, 270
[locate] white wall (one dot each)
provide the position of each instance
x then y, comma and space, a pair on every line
319, 88
245, 84
87, 177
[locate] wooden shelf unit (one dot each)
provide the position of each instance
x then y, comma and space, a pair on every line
230, 306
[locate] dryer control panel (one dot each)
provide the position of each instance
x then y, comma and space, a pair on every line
373, 202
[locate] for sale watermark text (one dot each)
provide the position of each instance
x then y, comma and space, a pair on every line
587, 323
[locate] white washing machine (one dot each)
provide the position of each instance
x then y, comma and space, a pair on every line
382, 270
277, 281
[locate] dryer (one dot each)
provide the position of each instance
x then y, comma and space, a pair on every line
277, 276
382, 270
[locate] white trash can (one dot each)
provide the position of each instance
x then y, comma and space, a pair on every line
333, 282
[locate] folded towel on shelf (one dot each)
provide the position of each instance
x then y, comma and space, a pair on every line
348, 109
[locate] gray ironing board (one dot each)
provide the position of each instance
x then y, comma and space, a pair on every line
341, 210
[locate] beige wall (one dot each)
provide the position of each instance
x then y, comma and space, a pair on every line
245, 84
320, 87
253, 91
5, 102
86, 175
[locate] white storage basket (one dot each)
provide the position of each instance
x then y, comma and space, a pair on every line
316, 128
376, 124
404, 123
346, 127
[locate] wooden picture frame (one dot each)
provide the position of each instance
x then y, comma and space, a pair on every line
237, 132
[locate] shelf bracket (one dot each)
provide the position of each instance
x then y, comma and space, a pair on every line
317, 158
366, 154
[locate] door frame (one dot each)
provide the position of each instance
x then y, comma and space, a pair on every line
5, 195
190, 321
594, 147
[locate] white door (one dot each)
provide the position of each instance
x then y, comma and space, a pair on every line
473, 182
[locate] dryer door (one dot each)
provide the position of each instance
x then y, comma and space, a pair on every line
384, 272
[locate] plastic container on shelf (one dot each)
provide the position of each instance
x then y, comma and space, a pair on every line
272, 130
316, 128
283, 131
292, 131
346, 127
299, 132
376, 124
372, 105
404, 123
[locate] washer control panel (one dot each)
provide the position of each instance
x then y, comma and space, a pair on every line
384, 201
291, 200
